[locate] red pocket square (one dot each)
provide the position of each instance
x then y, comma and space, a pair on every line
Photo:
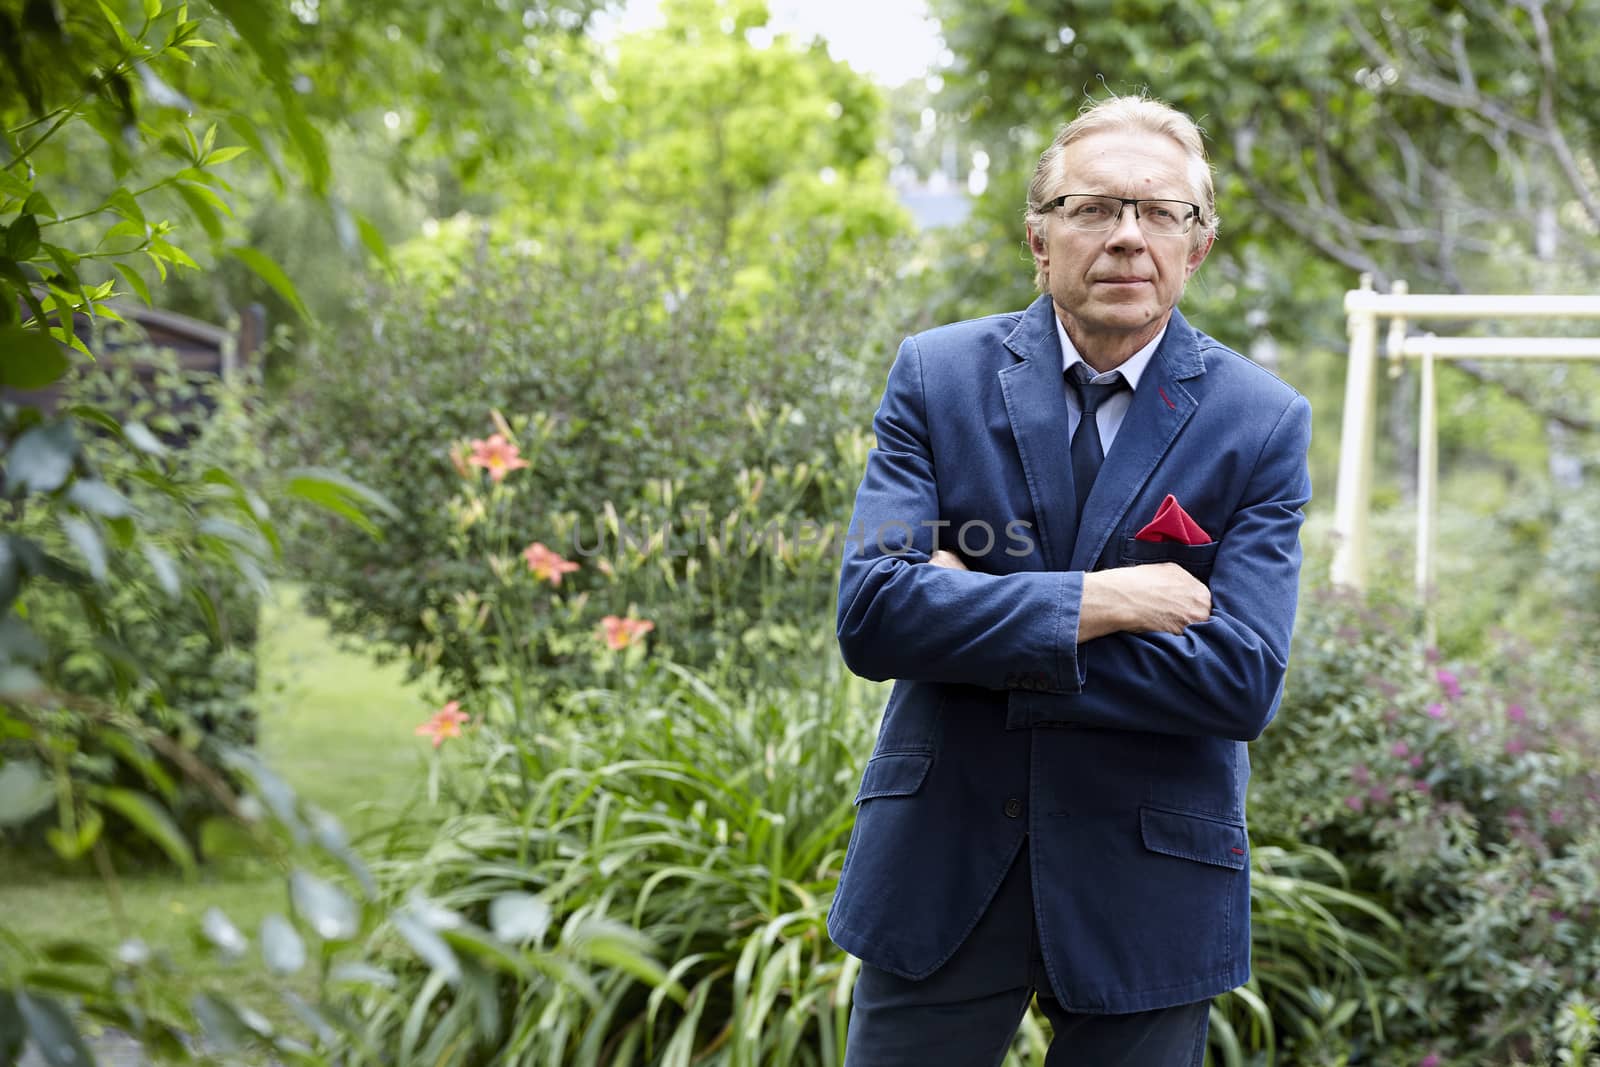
1172, 523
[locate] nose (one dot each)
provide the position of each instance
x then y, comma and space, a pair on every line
1126, 235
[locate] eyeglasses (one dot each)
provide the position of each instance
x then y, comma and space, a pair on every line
1093, 213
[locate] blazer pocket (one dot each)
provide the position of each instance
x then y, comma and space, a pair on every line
1192, 836
1196, 559
896, 774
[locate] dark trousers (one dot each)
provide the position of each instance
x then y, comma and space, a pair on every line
966, 1013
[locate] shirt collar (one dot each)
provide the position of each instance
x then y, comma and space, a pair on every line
1130, 371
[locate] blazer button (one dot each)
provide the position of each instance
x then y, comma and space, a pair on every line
1013, 808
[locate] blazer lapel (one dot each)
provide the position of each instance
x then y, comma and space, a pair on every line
1161, 405
1036, 402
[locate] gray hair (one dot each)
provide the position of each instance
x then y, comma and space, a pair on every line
1117, 113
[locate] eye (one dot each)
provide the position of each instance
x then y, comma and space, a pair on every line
1160, 213
1090, 211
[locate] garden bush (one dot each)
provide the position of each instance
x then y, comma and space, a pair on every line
181, 661
1464, 798
727, 404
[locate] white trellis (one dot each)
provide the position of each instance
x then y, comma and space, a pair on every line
1363, 308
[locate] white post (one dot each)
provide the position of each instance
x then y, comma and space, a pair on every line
1355, 443
1427, 484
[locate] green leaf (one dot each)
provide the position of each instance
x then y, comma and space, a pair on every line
374, 241
127, 205
39, 204
268, 271
51, 1031
86, 539
203, 212
13, 1033
326, 908
332, 491
223, 155
66, 262
281, 947
41, 459
221, 1023
135, 282
140, 437
134, 753
98, 498
218, 929
73, 846
25, 791
519, 917
152, 820
29, 359
165, 570
22, 238
429, 946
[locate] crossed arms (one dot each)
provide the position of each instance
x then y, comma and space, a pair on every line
1135, 648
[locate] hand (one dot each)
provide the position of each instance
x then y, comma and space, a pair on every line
1151, 597
944, 558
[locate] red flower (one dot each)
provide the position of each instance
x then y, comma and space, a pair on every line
619, 633
547, 564
446, 722
497, 456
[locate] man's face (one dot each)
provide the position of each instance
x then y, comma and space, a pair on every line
1119, 284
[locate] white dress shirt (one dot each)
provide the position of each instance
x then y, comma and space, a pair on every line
1108, 416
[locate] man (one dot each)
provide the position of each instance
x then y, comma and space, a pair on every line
1055, 803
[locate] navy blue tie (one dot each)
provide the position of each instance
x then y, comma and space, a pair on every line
1087, 454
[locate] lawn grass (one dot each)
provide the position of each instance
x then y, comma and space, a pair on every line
335, 725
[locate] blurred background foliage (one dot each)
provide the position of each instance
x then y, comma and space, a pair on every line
657, 271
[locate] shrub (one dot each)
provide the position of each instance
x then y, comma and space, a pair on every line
1464, 798
645, 396
129, 635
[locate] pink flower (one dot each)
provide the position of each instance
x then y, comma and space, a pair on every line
497, 456
1400, 750
1360, 775
1449, 683
1416, 762
1517, 713
1431, 654
1422, 787
618, 633
1430, 1060
547, 564
1515, 745
1354, 803
446, 722
1435, 710
1557, 817
1378, 794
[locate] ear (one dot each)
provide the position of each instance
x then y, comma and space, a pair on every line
1198, 254
1036, 245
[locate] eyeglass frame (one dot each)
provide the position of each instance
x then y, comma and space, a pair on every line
1189, 221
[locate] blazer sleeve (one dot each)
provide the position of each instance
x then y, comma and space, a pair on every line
899, 619
1222, 677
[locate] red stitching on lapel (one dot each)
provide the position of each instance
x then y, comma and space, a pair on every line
1167, 398
1238, 852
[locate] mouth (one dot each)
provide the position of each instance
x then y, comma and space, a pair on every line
1121, 281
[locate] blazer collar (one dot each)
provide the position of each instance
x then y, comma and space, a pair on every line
1036, 403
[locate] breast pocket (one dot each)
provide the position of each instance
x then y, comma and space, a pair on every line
1196, 559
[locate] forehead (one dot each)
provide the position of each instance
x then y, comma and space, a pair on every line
1135, 163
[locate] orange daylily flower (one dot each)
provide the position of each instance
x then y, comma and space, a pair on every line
446, 722
497, 456
619, 633
547, 564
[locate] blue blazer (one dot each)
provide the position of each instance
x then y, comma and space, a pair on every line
1123, 758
